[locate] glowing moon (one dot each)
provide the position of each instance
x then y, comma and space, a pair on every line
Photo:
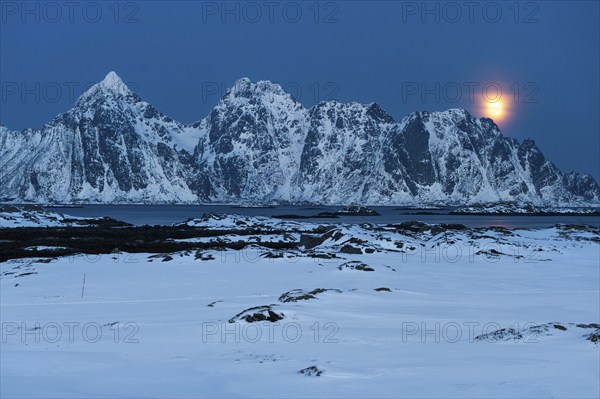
495, 110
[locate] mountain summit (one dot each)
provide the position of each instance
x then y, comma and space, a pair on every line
260, 145
111, 84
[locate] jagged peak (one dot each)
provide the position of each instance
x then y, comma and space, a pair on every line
5, 129
112, 83
245, 88
112, 78
241, 84
458, 117
458, 112
374, 110
454, 116
452, 113
529, 144
267, 85
339, 104
377, 112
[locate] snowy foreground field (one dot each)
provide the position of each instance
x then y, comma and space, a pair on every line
406, 310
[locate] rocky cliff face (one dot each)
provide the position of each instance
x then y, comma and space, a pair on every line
259, 145
251, 143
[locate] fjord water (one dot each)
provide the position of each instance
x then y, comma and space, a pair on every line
167, 214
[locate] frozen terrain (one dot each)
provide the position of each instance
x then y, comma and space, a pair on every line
397, 310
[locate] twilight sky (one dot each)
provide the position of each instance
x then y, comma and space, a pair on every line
405, 55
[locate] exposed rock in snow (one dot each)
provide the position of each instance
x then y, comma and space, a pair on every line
36, 216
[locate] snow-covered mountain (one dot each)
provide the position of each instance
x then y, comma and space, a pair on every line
251, 143
110, 147
259, 145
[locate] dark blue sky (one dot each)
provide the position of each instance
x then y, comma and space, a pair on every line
407, 56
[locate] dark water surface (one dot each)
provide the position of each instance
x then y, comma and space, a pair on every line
168, 214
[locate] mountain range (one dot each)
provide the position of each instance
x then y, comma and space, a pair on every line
260, 146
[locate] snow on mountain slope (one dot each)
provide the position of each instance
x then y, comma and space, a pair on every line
260, 145
253, 141
341, 151
110, 147
470, 159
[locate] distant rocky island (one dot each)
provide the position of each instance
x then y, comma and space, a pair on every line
514, 209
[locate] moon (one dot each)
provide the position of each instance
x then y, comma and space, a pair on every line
495, 110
